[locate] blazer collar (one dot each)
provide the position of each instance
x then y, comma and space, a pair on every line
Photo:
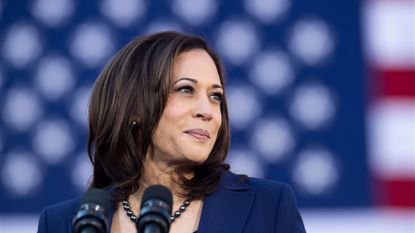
227, 209
231, 181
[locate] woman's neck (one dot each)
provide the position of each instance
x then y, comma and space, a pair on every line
157, 172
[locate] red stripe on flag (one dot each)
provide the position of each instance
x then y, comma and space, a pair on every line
398, 193
399, 82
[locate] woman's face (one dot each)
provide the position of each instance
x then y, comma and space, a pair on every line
190, 122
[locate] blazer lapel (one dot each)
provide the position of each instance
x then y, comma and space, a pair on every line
227, 209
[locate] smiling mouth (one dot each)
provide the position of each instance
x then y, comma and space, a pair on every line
199, 134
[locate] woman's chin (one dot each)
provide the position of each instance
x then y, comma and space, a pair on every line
196, 160
186, 161
192, 160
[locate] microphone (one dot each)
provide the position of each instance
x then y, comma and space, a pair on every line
91, 216
156, 207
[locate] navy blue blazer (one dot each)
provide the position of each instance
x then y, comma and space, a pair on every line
237, 206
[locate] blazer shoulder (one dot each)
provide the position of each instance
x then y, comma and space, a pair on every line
68, 206
273, 191
259, 184
54, 217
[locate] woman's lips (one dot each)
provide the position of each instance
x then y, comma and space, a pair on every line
198, 134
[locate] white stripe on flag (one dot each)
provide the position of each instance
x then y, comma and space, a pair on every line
390, 32
391, 137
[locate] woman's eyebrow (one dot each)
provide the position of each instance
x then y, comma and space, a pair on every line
217, 86
195, 81
188, 79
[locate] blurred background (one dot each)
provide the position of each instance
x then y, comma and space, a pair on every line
321, 96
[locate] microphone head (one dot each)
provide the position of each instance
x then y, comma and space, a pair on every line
156, 207
97, 196
92, 212
158, 192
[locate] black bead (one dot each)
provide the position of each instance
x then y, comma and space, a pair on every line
182, 208
177, 213
125, 202
129, 212
186, 203
133, 217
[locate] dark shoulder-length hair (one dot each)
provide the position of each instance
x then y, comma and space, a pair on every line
134, 86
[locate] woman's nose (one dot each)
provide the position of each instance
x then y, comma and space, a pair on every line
203, 108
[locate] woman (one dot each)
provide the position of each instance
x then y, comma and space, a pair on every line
158, 115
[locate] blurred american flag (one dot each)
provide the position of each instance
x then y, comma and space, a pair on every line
321, 96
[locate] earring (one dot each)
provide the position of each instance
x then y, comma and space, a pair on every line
134, 124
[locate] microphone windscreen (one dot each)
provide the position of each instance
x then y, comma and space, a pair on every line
157, 192
97, 196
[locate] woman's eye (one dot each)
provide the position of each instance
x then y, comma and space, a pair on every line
217, 96
185, 89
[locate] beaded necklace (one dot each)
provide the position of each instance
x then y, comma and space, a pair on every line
176, 214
